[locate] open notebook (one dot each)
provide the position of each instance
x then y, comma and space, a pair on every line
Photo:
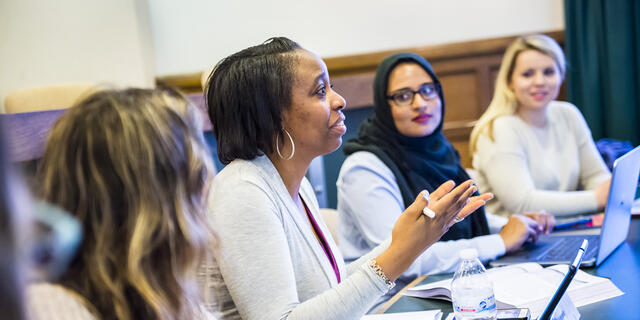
529, 285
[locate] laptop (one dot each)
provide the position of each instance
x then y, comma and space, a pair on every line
560, 247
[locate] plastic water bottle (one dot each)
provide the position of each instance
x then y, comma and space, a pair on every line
471, 289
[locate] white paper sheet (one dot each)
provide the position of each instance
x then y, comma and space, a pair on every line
528, 285
417, 315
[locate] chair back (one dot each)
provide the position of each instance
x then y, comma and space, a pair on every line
49, 97
330, 217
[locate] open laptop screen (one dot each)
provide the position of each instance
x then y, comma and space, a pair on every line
624, 183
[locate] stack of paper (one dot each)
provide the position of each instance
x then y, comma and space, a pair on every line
418, 315
529, 285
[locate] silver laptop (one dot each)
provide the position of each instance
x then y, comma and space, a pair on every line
560, 247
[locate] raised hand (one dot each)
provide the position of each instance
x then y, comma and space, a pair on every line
414, 232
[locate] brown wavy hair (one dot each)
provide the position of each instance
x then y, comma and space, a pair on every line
133, 167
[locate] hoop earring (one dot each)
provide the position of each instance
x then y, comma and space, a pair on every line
293, 147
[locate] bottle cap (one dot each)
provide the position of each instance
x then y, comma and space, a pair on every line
468, 254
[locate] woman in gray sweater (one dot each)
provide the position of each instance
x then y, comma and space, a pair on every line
273, 110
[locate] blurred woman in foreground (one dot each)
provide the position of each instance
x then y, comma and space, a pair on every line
132, 167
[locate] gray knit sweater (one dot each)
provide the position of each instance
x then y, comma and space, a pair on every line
269, 264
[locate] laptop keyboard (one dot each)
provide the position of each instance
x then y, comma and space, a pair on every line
567, 247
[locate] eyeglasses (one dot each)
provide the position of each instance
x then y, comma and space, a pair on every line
404, 97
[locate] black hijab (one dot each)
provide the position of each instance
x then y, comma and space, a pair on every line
418, 163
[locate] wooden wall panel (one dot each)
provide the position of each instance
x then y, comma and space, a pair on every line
461, 96
356, 89
466, 69
462, 145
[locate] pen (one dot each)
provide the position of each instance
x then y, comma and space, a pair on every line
426, 211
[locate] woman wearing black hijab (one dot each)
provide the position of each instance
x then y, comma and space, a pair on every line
402, 150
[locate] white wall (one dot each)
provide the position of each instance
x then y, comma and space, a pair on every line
48, 42
128, 42
192, 35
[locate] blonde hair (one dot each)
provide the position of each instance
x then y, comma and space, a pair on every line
133, 167
504, 101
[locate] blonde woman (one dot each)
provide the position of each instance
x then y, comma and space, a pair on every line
531, 151
132, 167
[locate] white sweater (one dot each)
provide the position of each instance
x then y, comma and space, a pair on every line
554, 168
269, 264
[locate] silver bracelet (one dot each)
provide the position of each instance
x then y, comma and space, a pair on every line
375, 267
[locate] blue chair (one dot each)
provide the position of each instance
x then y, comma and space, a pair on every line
333, 162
